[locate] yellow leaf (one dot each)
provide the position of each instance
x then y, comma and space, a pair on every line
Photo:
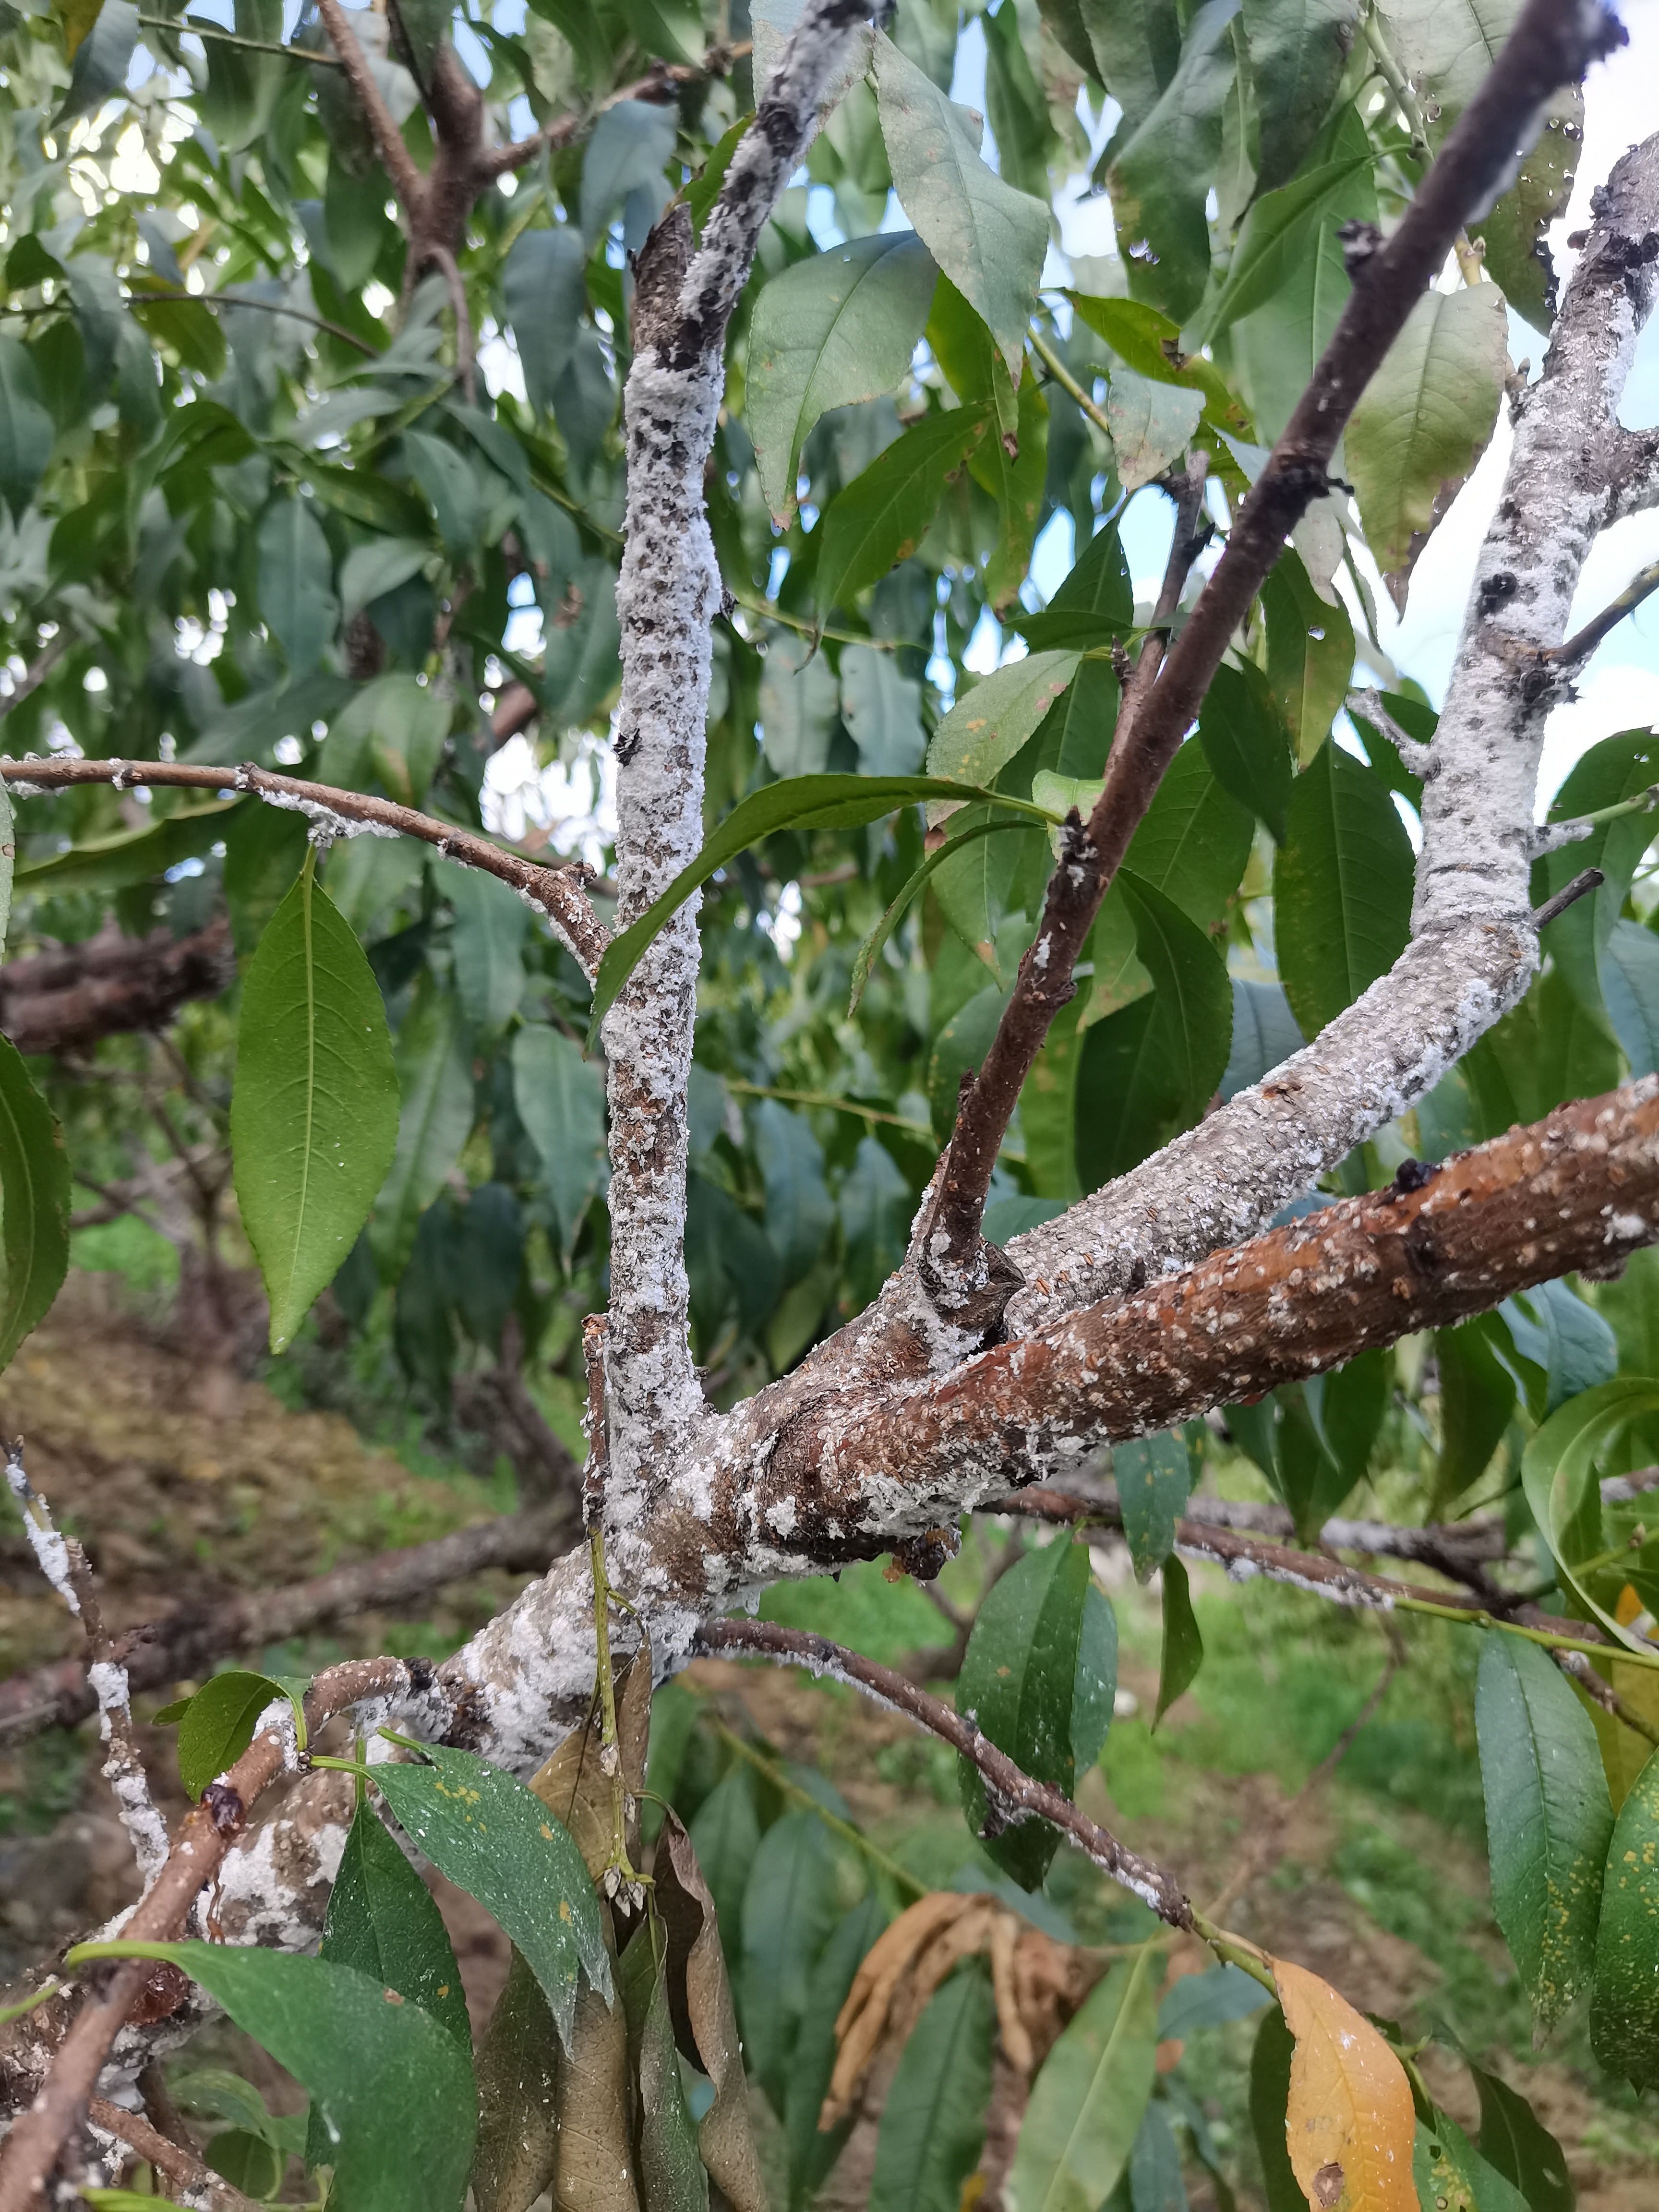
78, 18
1349, 2126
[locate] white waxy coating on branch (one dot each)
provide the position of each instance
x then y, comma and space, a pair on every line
50, 1550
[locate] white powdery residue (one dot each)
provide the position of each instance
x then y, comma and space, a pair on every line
107, 1681
1626, 1229
51, 1551
327, 823
278, 1719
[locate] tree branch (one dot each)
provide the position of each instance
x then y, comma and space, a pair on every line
1010, 1793
179, 2166
407, 181
160, 1653
968, 1280
110, 985
1583, 642
1547, 47
551, 891
667, 595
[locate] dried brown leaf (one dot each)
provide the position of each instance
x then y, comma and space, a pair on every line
595, 2167
1016, 2038
704, 2017
518, 2118
574, 1786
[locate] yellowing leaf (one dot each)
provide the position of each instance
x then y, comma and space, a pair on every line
1349, 2126
78, 17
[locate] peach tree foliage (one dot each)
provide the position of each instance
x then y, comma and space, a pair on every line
311, 456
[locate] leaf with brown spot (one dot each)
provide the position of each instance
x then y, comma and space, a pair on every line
1350, 2126
705, 2020
576, 1788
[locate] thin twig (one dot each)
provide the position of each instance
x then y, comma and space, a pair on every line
1011, 1793
1595, 1684
1583, 642
662, 83
197, 28
176, 2165
1067, 383
158, 290
551, 890
37, 672
407, 181
1552, 908
186, 1643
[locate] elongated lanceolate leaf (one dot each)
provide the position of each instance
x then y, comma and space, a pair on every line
1087, 2101
1183, 1645
932, 2124
1425, 419
433, 1063
884, 514
1558, 1473
1154, 1476
35, 1204
835, 329
1350, 2103
392, 2088
804, 802
988, 725
489, 1833
382, 1920
561, 1101
1515, 2143
216, 1725
1547, 1819
987, 238
1018, 1679
1624, 1999
1342, 887
313, 1116
1160, 176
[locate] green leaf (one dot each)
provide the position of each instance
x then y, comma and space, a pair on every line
1087, 2100
1152, 423
1342, 888
1154, 1478
876, 1205
881, 708
489, 1833
392, 2088
812, 2154
1270, 2096
1618, 769
1310, 654
544, 290
1154, 2178
137, 856
1183, 1646
1513, 231
26, 429
1208, 2000
1629, 975
1265, 1036
433, 1063
561, 1101
1348, 1405
989, 725
805, 802
932, 2124
835, 329
628, 147
1191, 993
790, 1906
264, 851
962, 829
1019, 1680
1194, 843
35, 1204
1150, 343
1094, 1689
217, 1725
1298, 51
102, 60
1477, 1403
381, 1919
1451, 2175
799, 702
297, 583
1279, 233
987, 238
1547, 1819
799, 1211
1559, 1475
884, 514
491, 923
1244, 740
1160, 174
1015, 479
1515, 2143
1129, 1091
454, 487
1095, 603
975, 883
1624, 1997
1425, 419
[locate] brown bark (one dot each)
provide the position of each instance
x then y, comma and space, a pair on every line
162, 1652
65, 1000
